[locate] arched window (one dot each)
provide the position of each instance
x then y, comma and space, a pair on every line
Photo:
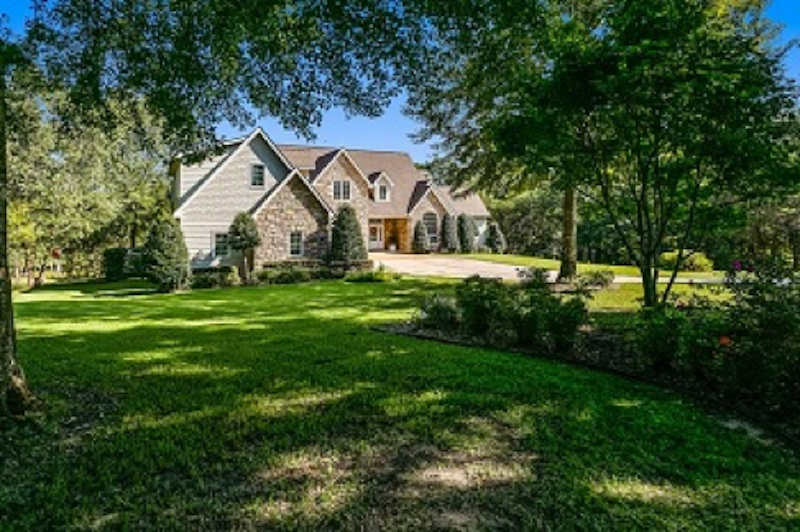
431, 222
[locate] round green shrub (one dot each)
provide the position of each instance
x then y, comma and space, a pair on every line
696, 262
347, 242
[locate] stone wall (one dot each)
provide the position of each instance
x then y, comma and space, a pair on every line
294, 208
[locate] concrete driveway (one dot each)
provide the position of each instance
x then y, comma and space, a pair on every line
444, 266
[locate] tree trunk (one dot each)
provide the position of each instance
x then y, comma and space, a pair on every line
15, 396
649, 283
569, 236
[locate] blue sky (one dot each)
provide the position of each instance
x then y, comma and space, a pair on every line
391, 131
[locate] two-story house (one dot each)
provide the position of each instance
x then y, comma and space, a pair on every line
294, 192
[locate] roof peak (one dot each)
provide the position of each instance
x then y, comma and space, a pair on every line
337, 148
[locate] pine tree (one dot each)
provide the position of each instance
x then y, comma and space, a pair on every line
466, 233
420, 243
347, 242
449, 234
166, 256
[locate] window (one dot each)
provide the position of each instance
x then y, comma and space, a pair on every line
257, 175
431, 222
383, 192
341, 190
222, 245
296, 244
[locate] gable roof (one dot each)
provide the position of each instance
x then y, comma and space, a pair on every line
464, 202
325, 163
397, 165
426, 188
294, 174
234, 148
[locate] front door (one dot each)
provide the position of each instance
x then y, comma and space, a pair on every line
376, 236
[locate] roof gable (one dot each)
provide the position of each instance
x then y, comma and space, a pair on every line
269, 196
329, 161
220, 167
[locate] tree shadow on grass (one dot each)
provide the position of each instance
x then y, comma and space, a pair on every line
289, 414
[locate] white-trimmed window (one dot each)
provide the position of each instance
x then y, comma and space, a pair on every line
257, 176
431, 222
341, 190
383, 192
222, 245
296, 244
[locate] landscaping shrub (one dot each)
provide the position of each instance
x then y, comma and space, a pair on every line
215, 277
381, 275
114, 264
440, 313
495, 239
347, 242
466, 233
486, 306
449, 234
288, 274
244, 237
696, 262
594, 280
527, 315
420, 242
166, 256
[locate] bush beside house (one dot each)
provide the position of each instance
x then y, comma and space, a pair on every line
347, 242
467, 233
495, 239
420, 242
449, 234
166, 256
244, 237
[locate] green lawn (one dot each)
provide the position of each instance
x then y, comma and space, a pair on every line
278, 408
550, 264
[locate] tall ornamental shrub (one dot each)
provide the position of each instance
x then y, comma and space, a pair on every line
166, 256
347, 242
449, 234
244, 237
466, 233
495, 239
420, 242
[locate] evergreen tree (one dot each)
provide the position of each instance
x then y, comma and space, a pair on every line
166, 256
420, 243
495, 240
449, 234
347, 242
243, 236
466, 233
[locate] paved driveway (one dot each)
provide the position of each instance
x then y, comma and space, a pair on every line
444, 266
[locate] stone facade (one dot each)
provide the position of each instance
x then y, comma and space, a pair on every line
341, 169
429, 203
293, 208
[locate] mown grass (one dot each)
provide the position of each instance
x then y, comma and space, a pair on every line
278, 408
551, 264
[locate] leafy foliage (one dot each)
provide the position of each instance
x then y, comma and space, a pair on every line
166, 256
347, 242
693, 261
217, 277
420, 242
243, 233
114, 264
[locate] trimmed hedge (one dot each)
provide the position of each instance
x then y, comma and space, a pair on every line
215, 277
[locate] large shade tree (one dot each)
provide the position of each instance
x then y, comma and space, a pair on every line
198, 63
663, 113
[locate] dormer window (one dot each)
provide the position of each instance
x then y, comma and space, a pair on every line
341, 190
383, 192
257, 176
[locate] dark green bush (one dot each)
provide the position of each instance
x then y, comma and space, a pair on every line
466, 233
420, 242
215, 277
449, 234
347, 242
440, 313
486, 306
695, 262
495, 239
166, 256
114, 264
